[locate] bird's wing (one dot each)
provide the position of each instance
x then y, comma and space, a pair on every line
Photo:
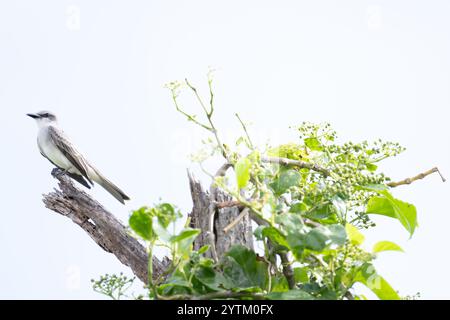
79, 179
66, 148
74, 176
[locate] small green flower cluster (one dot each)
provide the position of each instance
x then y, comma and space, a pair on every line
113, 286
352, 167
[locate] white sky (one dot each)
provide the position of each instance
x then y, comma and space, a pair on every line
371, 68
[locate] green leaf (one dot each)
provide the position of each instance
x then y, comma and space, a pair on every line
382, 206
275, 236
185, 234
239, 141
319, 292
258, 232
166, 213
175, 284
242, 270
324, 213
316, 239
338, 235
160, 230
389, 206
279, 283
203, 249
313, 144
290, 295
299, 237
371, 167
355, 237
292, 225
209, 278
296, 244
320, 237
386, 246
372, 280
184, 241
301, 275
141, 223
298, 207
286, 180
291, 222
242, 169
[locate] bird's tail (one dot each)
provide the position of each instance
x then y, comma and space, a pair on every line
110, 187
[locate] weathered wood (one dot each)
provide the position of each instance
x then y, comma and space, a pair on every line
240, 234
105, 229
113, 237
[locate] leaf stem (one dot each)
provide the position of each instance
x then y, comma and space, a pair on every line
246, 132
150, 270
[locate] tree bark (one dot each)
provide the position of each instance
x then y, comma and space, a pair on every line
105, 229
113, 237
240, 234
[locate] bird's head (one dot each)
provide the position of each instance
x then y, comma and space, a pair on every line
43, 117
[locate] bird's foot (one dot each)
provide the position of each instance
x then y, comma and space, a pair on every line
57, 172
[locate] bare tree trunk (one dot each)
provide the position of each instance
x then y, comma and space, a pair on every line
240, 234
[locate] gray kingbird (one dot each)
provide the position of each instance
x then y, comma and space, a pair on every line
57, 148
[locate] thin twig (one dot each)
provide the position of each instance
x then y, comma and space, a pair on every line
211, 94
312, 223
209, 114
245, 130
297, 163
236, 221
187, 115
287, 269
222, 170
199, 99
286, 264
417, 177
228, 204
258, 219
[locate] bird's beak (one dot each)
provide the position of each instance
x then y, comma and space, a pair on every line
33, 115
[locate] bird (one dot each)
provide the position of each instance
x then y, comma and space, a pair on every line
54, 145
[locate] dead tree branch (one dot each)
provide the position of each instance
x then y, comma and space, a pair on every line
201, 218
102, 226
229, 204
236, 221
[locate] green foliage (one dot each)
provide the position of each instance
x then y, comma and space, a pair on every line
354, 236
314, 204
387, 205
386, 246
141, 223
145, 220
369, 277
285, 180
242, 169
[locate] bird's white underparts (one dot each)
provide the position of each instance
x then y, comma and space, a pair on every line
57, 148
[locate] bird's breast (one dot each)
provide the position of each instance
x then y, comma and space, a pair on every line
52, 152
